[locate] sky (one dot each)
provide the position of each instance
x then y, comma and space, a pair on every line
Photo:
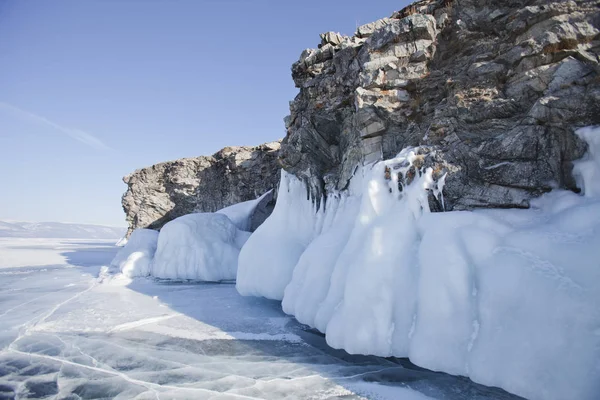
91, 90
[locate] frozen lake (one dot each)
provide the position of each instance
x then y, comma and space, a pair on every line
69, 331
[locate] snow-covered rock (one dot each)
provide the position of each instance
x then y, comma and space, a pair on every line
202, 246
507, 297
134, 258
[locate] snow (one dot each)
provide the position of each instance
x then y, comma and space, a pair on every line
202, 246
69, 331
241, 213
508, 298
135, 256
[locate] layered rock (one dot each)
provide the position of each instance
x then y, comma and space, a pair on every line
495, 87
165, 191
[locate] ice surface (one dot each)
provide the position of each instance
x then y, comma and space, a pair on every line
58, 230
507, 297
137, 253
241, 213
202, 246
65, 333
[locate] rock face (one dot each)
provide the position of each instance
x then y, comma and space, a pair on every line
496, 88
165, 191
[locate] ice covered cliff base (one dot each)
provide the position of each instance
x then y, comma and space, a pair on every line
199, 246
507, 297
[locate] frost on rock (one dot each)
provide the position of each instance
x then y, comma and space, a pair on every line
203, 246
134, 258
507, 297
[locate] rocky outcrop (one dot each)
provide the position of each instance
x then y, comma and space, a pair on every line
165, 191
496, 88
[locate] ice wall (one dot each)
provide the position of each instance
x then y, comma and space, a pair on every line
507, 297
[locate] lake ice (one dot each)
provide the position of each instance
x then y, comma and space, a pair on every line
68, 330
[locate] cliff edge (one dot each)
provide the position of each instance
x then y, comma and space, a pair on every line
162, 192
496, 88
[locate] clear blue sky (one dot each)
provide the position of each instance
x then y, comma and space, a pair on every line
91, 90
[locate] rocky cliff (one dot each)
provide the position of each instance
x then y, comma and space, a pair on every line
165, 191
495, 88
491, 90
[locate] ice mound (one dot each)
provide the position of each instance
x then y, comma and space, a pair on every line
135, 256
507, 297
203, 246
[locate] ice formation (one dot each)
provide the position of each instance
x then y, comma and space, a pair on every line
121, 242
241, 213
135, 256
267, 262
507, 297
202, 246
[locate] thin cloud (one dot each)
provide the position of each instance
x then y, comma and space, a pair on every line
76, 134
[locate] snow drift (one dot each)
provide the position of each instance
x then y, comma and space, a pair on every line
203, 246
137, 253
507, 297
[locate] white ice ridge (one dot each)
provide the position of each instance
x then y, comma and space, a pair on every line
241, 213
137, 253
507, 297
